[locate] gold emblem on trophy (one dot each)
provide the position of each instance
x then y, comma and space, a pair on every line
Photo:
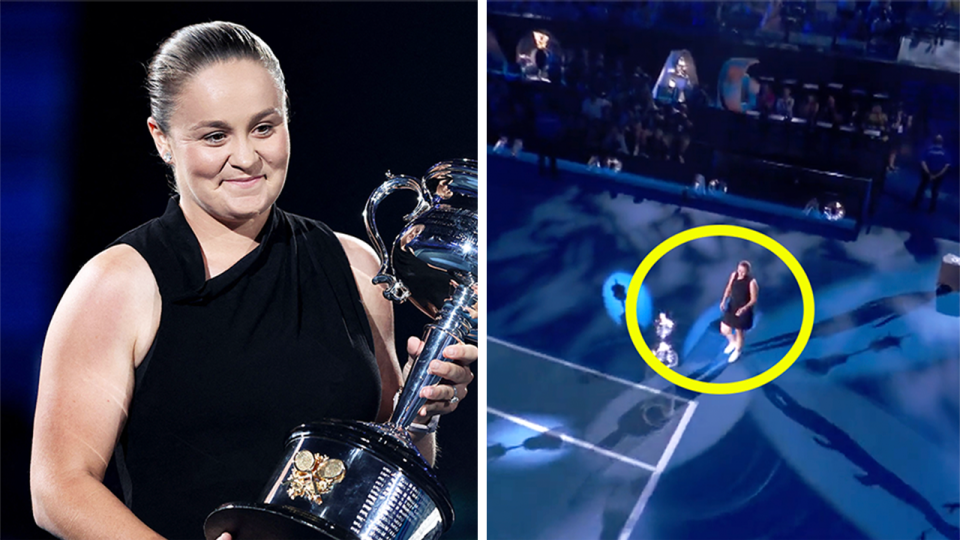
313, 475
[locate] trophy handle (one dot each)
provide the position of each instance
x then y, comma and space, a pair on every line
395, 290
452, 327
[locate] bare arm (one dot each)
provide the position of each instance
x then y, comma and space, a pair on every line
101, 330
379, 311
365, 265
726, 292
754, 292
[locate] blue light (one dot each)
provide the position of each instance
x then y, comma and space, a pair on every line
512, 446
614, 293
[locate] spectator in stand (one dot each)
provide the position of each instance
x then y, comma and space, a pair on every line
594, 140
785, 104
877, 119
878, 8
548, 133
856, 116
614, 143
900, 127
846, 15
642, 131
933, 166
772, 21
767, 101
940, 11
593, 107
829, 113
658, 147
628, 124
881, 27
573, 70
500, 109
681, 127
511, 121
810, 109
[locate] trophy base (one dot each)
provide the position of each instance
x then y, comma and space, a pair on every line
343, 480
270, 522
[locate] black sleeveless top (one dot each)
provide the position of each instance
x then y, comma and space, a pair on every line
279, 339
740, 293
739, 297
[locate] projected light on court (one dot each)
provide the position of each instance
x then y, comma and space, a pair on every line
514, 446
615, 299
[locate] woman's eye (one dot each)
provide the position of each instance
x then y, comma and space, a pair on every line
215, 137
263, 129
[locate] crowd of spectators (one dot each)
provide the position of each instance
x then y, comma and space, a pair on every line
596, 114
877, 24
601, 110
857, 112
595, 110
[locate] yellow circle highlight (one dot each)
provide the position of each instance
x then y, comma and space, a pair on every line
806, 326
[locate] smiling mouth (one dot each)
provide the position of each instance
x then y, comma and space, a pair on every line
245, 181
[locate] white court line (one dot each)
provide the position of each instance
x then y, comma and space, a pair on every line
661, 466
568, 439
571, 365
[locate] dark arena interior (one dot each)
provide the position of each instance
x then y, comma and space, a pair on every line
615, 126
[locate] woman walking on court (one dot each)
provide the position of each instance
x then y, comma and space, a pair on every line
742, 290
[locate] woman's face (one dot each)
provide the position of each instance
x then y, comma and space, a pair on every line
229, 141
741, 271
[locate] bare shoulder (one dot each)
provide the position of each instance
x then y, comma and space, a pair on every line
365, 264
120, 270
115, 291
361, 255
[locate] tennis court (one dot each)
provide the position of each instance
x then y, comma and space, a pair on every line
573, 452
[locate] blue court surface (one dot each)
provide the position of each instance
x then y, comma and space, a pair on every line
859, 439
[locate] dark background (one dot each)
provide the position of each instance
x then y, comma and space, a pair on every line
373, 87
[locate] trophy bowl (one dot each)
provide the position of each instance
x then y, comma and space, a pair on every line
342, 480
352, 480
436, 252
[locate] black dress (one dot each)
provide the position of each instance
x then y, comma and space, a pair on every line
279, 339
739, 297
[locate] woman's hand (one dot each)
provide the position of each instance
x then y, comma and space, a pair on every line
722, 302
740, 311
456, 376
225, 536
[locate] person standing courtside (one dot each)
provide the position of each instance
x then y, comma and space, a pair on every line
933, 167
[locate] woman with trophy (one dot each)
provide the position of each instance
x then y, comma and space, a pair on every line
187, 350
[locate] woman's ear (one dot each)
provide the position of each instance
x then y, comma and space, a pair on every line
159, 137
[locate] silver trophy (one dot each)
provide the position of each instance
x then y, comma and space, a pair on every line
665, 352
355, 480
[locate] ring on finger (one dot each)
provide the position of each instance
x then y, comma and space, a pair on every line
454, 399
